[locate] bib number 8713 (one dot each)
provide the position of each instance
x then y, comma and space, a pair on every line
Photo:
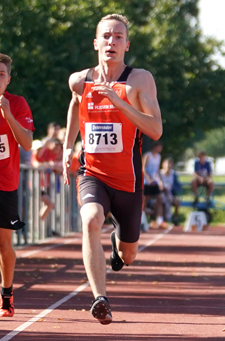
106, 138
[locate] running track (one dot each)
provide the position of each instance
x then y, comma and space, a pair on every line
175, 290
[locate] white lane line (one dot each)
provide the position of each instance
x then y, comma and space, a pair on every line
46, 248
53, 246
45, 312
152, 241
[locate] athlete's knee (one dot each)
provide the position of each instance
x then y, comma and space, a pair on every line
92, 223
6, 247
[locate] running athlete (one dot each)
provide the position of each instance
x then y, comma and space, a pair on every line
16, 127
112, 105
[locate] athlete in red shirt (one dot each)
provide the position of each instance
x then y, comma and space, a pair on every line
112, 105
16, 127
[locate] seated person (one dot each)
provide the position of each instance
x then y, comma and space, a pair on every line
170, 187
153, 184
48, 157
202, 176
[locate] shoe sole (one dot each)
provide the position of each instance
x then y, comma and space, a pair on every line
100, 311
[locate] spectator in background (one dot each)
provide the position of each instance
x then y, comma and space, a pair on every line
49, 158
75, 159
202, 176
25, 156
153, 184
61, 134
171, 186
52, 131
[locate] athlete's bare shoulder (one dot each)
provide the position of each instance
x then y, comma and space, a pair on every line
76, 81
139, 82
140, 78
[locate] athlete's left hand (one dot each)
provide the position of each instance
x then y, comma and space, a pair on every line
106, 89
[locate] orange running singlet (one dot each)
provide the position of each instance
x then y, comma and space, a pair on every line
111, 142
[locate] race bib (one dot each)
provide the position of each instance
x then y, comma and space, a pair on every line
103, 137
4, 147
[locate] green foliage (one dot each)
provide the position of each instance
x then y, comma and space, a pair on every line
213, 143
50, 39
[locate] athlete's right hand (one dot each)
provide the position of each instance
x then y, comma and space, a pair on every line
67, 161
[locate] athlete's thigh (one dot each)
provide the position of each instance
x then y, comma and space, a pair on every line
92, 190
127, 209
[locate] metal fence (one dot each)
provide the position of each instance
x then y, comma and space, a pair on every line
62, 220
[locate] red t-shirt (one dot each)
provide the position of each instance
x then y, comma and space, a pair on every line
9, 150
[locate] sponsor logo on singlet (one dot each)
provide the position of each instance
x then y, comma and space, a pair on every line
101, 127
92, 106
89, 95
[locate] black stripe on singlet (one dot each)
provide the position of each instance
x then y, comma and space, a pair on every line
123, 77
125, 74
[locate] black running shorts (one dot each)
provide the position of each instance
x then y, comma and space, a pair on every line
125, 207
9, 218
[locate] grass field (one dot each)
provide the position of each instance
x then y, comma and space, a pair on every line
218, 215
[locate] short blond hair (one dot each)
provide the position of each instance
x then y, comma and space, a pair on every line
115, 16
7, 61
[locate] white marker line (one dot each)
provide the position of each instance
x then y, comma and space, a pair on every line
45, 312
159, 236
46, 248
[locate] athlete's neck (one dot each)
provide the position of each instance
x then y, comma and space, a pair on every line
108, 73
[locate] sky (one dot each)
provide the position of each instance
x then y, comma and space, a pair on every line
212, 20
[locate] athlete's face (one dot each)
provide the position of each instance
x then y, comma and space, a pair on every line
111, 41
4, 78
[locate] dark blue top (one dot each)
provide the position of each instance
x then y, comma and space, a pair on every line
203, 169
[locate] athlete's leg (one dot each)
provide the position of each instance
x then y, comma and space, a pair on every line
127, 210
127, 251
92, 216
7, 258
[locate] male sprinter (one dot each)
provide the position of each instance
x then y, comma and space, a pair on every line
16, 127
112, 105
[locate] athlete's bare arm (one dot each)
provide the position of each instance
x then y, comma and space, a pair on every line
22, 136
76, 83
144, 110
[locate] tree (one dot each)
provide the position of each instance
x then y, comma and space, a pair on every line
213, 143
50, 39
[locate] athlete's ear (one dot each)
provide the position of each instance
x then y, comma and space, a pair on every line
95, 44
128, 46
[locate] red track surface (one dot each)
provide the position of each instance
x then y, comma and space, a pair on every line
173, 291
